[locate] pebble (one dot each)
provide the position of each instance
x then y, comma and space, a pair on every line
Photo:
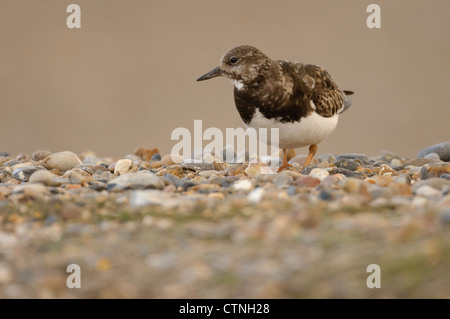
243, 185
124, 166
428, 192
307, 181
433, 157
353, 156
441, 149
283, 180
346, 164
201, 166
328, 157
418, 161
319, 173
434, 170
437, 183
11, 162
147, 154
30, 190
445, 176
4, 154
256, 195
137, 180
156, 157
258, 169
171, 159
42, 176
62, 161
24, 173
347, 173
388, 156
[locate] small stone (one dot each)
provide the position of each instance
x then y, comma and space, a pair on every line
124, 166
31, 190
353, 156
388, 156
396, 162
383, 180
256, 195
42, 177
434, 170
445, 216
171, 159
4, 154
386, 170
62, 161
156, 157
292, 190
352, 184
428, 192
193, 165
400, 189
258, 169
243, 185
329, 181
403, 179
319, 173
433, 157
347, 173
11, 162
441, 149
346, 164
418, 161
24, 173
283, 180
445, 176
137, 180
437, 183
146, 154
324, 195
307, 181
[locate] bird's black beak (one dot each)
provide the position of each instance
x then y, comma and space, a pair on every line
211, 74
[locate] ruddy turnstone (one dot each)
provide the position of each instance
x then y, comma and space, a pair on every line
301, 100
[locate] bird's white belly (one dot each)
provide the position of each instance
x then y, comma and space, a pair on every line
310, 130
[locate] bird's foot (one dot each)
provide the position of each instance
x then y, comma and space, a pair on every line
284, 166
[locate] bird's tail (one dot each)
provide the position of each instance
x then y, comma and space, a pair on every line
347, 100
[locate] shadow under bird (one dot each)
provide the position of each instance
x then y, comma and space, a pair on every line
301, 100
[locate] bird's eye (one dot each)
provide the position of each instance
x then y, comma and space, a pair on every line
233, 59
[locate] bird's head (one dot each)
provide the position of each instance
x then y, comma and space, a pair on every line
242, 65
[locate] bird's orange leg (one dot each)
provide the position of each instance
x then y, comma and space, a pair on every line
285, 162
312, 152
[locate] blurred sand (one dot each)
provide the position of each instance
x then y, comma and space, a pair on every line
127, 77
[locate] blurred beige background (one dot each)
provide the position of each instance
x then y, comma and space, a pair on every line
127, 77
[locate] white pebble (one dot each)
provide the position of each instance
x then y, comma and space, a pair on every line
243, 185
256, 195
42, 176
319, 173
124, 166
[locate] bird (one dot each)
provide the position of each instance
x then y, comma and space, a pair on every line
299, 99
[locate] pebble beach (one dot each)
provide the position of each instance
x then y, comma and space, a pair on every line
142, 226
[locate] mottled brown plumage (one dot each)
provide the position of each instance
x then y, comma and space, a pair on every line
282, 91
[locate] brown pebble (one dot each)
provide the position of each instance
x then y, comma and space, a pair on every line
383, 180
112, 167
40, 155
307, 181
70, 212
400, 189
145, 153
171, 159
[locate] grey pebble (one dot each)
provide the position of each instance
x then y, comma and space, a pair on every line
328, 157
4, 154
445, 216
24, 173
283, 180
11, 162
202, 166
324, 195
156, 157
445, 176
347, 172
387, 156
353, 156
347, 164
292, 190
441, 149
184, 183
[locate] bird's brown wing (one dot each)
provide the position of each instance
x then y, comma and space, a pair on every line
325, 94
